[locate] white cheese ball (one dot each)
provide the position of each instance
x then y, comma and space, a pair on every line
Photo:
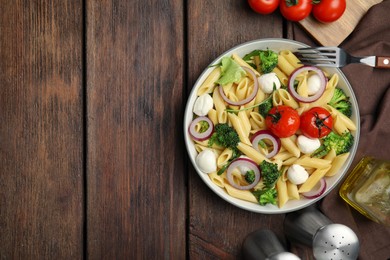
296, 174
313, 84
206, 161
203, 104
266, 82
308, 145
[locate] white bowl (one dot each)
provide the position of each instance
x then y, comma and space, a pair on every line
291, 205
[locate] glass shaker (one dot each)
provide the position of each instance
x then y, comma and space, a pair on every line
367, 189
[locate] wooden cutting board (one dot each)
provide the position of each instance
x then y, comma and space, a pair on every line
332, 34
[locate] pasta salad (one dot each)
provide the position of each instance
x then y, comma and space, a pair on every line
268, 129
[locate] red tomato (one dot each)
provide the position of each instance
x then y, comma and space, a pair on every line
264, 6
295, 10
327, 11
316, 122
283, 121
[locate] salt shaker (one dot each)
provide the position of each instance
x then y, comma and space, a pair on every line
263, 244
328, 240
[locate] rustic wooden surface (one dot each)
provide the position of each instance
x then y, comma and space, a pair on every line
41, 130
93, 162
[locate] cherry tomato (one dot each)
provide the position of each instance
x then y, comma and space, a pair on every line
283, 121
264, 6
327, 11
316, 122
295, 10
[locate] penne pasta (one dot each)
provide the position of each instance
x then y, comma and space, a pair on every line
240, 194
281, 188
208, 85
337, 163
217, 179
240, 128
292, 190
313, 179
249, 151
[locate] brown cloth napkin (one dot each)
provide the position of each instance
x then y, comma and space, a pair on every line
371, 87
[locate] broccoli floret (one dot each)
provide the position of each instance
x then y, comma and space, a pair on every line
250, 176
224, 135
268, 60
265, 106
341, 102
340, 143
269, 173
266, 196
204, 125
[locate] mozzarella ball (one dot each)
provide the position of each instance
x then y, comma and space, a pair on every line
203, 104
296, 174
313, 84
308, 145
267, 81
207, 161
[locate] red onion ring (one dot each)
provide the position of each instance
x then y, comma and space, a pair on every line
243, 162
249, 98
314, 97
317, 190
266, 134
201, 136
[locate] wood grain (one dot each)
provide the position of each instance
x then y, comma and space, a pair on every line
41, 130
332, 34
136, 172
216, 228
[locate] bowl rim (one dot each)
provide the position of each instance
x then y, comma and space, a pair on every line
250, 206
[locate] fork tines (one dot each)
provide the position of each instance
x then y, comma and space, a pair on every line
317, 56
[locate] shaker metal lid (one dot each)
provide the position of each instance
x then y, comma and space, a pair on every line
284, 256
335, 241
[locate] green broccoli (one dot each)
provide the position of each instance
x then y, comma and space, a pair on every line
341, 102
265, 106
268, 60
224, 135
340, 143
266, 196
204, 125
250, 176
270, 173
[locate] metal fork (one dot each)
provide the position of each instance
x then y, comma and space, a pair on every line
337, 57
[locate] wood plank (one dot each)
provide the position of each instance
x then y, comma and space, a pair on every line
136, 173
41, 130
217, 229
332, 34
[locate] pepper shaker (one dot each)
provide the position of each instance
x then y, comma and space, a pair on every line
328, 240
263, 244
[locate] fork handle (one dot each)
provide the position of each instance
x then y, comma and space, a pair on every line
382, 62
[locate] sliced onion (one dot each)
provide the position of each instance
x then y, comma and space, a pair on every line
245, 163
201, 136
249, 98
317, 190
266, 134
311, 98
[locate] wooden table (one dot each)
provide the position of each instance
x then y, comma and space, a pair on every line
92, 156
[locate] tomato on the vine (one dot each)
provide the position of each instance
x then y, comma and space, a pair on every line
327, 11
283, 121
317, 122
295, 10
264, 6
